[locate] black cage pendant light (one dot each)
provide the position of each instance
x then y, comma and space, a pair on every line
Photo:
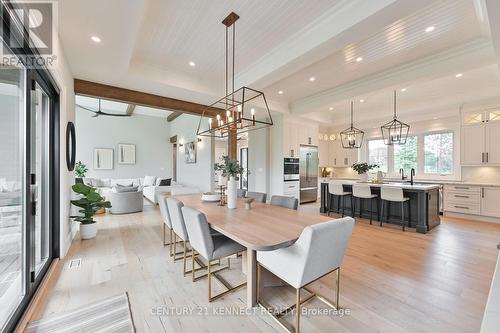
395, 132
352, 137
239, 111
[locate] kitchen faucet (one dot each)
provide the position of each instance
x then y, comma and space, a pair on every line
412, 174
402, 172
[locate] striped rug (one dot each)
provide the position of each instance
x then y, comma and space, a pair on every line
110, 315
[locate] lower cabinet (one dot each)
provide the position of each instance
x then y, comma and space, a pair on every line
474, 200
490, 201
291, 189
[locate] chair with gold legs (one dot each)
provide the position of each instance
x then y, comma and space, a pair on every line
210, 247
318, 252
179, 228
167, 224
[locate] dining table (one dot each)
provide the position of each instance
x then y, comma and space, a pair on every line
264, 227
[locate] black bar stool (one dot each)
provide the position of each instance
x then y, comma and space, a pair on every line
336, 188
395, 194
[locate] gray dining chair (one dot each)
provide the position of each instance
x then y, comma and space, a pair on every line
284, 201
242, 193
179, 228
210, 247
318, 251
258, 196
167, 224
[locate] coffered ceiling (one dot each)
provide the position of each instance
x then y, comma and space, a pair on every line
352, 49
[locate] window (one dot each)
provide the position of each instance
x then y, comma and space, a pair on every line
405, 156
438, 151
377, 154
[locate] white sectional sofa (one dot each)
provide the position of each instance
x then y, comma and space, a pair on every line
150, 185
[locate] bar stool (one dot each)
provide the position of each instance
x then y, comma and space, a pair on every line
363, 191
336, 188
395, 194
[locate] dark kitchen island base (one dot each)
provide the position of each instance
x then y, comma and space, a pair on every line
424, 206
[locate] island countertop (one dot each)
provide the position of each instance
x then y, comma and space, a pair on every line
403, 185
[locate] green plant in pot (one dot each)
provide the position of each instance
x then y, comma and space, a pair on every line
90, 202
80, 171
230, 170
363, 168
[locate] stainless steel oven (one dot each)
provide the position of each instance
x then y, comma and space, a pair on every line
291, 169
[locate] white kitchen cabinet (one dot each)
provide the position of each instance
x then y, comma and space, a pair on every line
324, 153
341, 157
490, 201
291, 189
480, 135
296, 134
493, 143
473, 144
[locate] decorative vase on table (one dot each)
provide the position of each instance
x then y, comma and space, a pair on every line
364, 177
232, 193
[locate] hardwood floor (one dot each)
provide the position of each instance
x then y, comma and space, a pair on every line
391, 281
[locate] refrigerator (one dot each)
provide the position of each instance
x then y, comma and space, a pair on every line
309, 163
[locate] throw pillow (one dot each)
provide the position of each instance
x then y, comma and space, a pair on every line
122, 189
149, 181
166, 182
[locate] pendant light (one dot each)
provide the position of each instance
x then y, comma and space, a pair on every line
395, 132
352, 137
239, 111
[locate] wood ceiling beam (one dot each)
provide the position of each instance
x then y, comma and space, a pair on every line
173, 116
93, 89
130, 109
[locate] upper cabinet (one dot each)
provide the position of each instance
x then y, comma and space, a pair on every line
339, 156
296, 134
480, 137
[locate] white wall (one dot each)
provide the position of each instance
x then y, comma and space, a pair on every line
259, 161
199, 174
151, 136
64, 80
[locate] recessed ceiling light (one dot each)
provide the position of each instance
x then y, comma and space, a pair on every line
358, 59
430, 29
361, 100
459, 75
435, 118
312, 79
192, 63
330, 108
403, 90
280, 92
95, 39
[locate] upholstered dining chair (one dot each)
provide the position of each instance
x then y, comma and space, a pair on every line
210, 247
318, 251
167, 224
242, 193
258, 196
179, 228
284, 201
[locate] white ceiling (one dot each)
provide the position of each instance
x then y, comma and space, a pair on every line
147, 46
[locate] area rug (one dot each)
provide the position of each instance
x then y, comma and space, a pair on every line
109, 315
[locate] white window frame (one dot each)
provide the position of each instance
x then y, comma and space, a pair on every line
391, 173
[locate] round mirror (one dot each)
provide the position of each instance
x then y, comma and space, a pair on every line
70, 146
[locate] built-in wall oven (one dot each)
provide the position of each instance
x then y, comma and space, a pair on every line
291, 169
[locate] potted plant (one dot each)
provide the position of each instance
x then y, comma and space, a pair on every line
80, 172
89, 202
231, 170
363, 168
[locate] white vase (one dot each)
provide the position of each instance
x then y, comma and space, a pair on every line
364, 177
88, 231
232, 193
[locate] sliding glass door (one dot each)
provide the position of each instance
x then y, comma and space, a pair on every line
28, 187
13, 202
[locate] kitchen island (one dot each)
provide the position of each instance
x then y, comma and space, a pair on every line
424, 204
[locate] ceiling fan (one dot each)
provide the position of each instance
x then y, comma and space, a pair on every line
100, 113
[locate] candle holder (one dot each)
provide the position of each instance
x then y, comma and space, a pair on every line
222, 193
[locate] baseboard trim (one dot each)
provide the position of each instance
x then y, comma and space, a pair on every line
470, 217
49, 278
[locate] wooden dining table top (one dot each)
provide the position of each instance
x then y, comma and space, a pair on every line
262, 228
